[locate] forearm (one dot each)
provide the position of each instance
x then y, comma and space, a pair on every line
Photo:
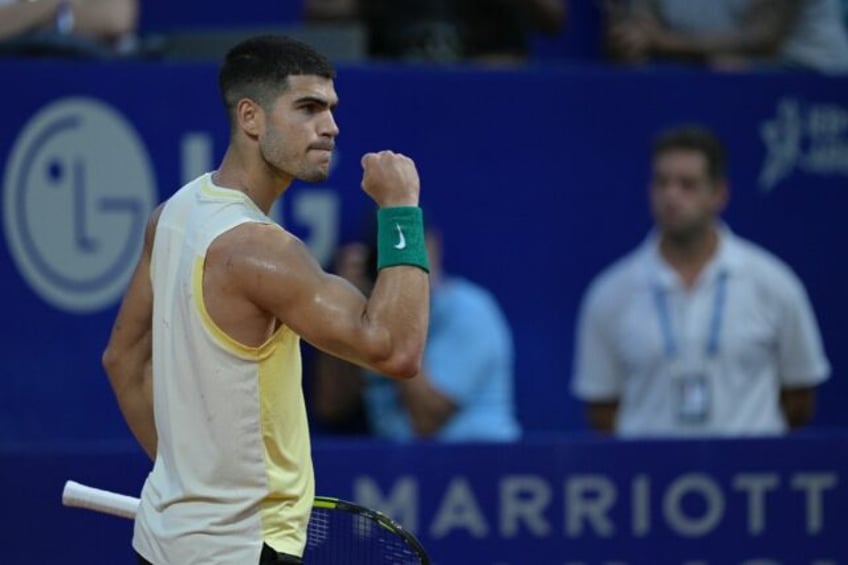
602, 416
133, 389
398, 312
798, 406
21, 17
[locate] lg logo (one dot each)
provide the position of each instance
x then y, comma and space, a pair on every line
78, 188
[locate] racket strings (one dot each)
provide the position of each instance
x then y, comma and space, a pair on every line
337, 536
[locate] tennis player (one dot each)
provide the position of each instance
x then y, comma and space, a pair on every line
204, 355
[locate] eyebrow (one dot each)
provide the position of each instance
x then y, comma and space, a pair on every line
322, 102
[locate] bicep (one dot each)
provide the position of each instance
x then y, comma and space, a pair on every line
324, 309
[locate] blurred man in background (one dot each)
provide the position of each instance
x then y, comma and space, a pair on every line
697, 332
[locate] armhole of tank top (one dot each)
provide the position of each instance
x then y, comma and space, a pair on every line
218, 335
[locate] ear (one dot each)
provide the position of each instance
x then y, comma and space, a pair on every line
250, 117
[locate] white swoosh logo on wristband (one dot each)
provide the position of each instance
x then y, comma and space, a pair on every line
401, 244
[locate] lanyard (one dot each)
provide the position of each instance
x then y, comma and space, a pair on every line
712, 346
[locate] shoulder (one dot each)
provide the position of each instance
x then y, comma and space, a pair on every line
257, 247
769, 273
616, 282
152, 224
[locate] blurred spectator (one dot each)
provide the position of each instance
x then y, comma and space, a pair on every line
489, 31
67, 27
465, 391
697, 331
730, 34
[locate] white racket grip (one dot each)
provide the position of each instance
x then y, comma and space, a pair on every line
81, 496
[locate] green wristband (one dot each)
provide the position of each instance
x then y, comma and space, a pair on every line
400, 238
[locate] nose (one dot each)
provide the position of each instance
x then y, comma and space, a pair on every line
329, 127
668, 189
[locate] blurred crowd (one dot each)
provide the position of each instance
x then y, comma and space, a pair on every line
720, 34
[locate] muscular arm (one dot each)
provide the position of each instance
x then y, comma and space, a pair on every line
128, 356
385, 333
798, 405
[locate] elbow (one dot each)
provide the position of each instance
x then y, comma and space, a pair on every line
399, 359
402, 365
109, 361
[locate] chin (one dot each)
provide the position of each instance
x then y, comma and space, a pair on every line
683, 232
314, 176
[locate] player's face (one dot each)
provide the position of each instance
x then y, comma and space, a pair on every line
300, 129
685, 200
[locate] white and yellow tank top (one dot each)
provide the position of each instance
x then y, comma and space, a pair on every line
233, 466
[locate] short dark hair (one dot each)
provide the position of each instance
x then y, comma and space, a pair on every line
258, 68
694, 138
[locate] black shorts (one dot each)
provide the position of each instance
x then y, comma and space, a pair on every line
268, 557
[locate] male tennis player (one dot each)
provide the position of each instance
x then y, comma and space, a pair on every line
204, 355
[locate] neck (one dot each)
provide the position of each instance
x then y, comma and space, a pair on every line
688, 256
248, 173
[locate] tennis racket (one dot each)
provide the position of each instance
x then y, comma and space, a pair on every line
338, 531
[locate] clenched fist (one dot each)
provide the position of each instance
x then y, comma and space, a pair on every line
390, 179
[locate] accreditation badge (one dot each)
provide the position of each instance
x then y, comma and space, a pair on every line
693, 396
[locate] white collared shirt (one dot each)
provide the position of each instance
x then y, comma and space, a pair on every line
761, 322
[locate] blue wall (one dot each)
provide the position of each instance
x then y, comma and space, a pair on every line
550, 166
547, 167
763, 502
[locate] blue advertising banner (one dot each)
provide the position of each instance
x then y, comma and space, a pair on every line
560, 502
537, 179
